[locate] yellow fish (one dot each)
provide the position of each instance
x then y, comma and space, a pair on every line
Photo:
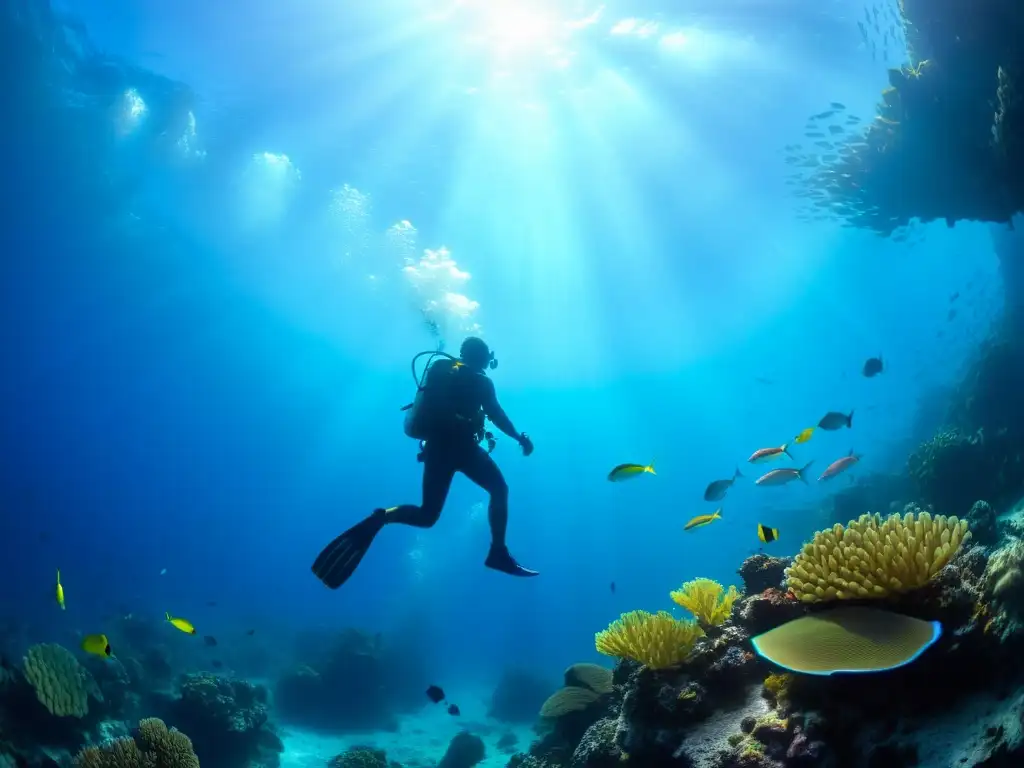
97, 644
702, 520
182, 624
629, 471
60, 592
804, 436
766, 534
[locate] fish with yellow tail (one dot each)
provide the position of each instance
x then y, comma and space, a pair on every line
60, 592
784, 476
767, 535
97, 645
629, 471
183, 624
701, 520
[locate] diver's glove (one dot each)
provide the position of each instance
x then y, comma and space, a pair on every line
526, 443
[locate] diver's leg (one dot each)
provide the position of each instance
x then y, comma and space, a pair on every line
339, 559
438, 472
479, 467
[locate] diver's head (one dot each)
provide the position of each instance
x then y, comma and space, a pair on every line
475, 354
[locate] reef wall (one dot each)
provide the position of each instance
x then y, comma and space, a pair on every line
947, 140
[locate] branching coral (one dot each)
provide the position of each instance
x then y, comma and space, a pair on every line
707, 600
875, 558
61, 684
655, 640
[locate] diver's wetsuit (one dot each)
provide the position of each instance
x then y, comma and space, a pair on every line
451, 446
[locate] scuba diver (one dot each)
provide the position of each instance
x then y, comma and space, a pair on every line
453, 397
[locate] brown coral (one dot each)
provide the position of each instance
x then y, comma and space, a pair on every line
155, 746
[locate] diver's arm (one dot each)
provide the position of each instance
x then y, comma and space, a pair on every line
497, 415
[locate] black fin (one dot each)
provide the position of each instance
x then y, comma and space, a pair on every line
339, 559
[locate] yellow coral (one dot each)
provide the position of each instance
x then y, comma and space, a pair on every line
777, 686
707, 600
875, 558
156, 746
655, 640
61, 684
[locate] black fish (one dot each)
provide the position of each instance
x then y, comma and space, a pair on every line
612, 587
435, 694
951, 315
453, 711
873, 366
210, 640
217, 664
251, 632
954, 297
212, 603
834, 420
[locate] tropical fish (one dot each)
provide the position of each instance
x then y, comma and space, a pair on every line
60, 592
435, 694
717, 489
804, 436
183, 624
217, 664
209, 640
834, 420
96, 644
783, 476
769, 454
701, 520
612, 587
766, 534
839, 465
629, 471
873, 366
251, 632
453, 710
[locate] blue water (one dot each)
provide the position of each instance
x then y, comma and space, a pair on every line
203, 368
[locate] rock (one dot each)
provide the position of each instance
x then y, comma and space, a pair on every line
597, 748
760, 572
983, 523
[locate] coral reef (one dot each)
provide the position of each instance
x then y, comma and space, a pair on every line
153, 746
954, 469
945, 143
875, 558
722, 706
362, 757
227, 720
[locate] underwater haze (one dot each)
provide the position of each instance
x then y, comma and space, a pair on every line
229, 227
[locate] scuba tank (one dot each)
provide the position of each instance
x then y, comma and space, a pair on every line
423, 411
418, 413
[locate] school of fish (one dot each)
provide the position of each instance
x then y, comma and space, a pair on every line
716, 490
